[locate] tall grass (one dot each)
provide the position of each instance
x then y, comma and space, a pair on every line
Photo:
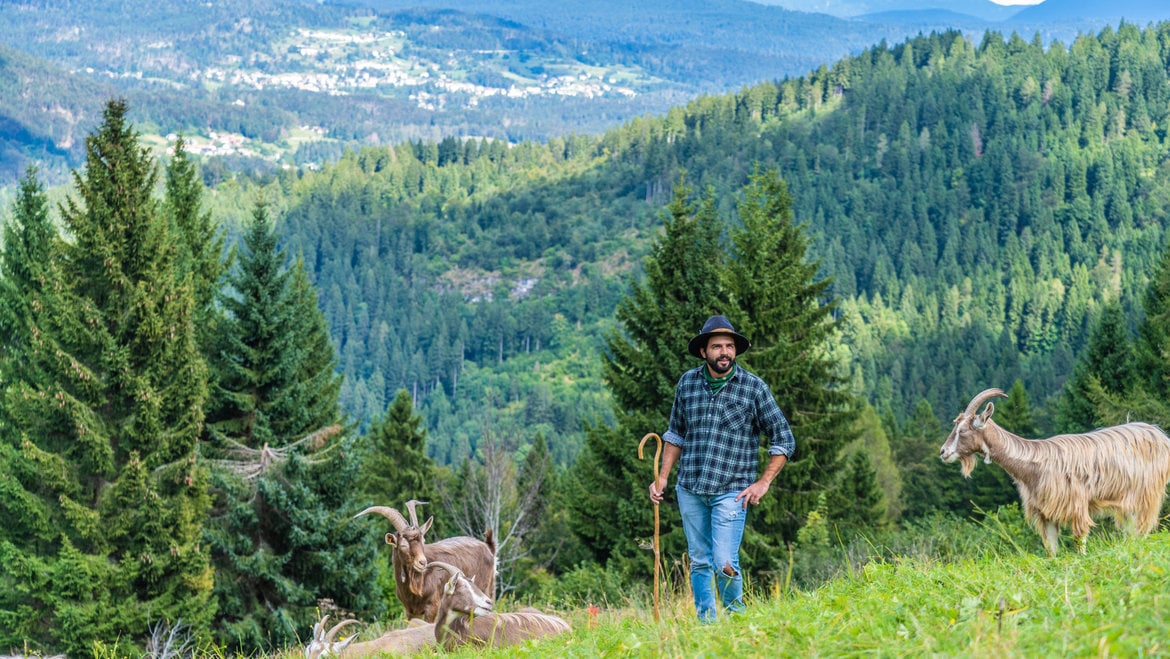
985, 590
941, 587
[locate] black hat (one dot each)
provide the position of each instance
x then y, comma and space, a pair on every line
717, 325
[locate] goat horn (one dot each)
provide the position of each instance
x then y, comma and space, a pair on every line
413, 514
389, 513
446, 566
981, 398
331, 635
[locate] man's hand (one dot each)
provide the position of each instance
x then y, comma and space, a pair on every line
753, 493
658, 489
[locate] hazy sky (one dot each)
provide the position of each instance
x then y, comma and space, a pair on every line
1017, 2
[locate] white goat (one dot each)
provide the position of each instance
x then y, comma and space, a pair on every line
466, 616
1067, 479
406, 641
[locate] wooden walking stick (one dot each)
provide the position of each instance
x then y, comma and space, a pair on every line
657, 554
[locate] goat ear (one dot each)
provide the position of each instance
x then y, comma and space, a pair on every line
391, 539
987, 412
449, 587
427, 525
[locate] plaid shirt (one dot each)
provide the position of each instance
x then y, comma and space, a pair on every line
720, 434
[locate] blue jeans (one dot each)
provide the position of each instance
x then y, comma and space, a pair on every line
714, 529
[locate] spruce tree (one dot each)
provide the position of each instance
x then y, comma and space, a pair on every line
782, 307
284, 472
25, 251
201, 242
395, 469
1107, 364
1153, 336
610, 501
928, 484
857, 503
106, 500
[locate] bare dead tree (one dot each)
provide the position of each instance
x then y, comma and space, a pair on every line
490, 496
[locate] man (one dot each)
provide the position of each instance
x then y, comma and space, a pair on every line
720, 411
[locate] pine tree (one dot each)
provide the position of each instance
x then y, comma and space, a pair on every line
108, 499
610, 503
25, 251
395, 469
928, 484
1108, 363
202, 243
284, 472
1153, 336
780, 305
857, 502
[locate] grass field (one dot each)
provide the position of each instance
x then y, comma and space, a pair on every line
1112, 601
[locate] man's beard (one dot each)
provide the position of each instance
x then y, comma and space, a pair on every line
713, 364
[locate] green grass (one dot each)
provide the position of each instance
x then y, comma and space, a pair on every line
1112, 601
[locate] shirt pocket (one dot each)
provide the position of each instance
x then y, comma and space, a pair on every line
738, 416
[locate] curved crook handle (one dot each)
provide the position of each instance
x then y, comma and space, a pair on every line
657, 453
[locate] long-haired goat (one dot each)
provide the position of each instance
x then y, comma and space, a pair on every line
1067, 479
406, 641
416, 588
466, 616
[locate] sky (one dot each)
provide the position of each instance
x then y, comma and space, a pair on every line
1017, 2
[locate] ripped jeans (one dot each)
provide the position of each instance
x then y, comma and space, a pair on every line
714, 528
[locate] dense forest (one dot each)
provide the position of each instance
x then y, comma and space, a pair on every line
509, 319
981, 201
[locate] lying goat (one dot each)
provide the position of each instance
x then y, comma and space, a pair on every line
416, 589
406, 641
1068, 479
465, 616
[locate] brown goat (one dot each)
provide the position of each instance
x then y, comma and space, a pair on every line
466, 616
406, 641
1067, 479
417, 589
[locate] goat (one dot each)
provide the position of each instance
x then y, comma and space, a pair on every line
465, 616
1067, 479
408, 640
418, 591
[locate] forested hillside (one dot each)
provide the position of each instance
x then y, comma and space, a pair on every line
256, 85
975, 201
898, 231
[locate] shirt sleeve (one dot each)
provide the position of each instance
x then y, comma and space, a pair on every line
676, 431
775, 425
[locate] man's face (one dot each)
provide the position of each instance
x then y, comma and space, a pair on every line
720, 354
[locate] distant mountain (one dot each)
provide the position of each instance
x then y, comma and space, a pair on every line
259, 84
983, 9
1095, 10
933, 17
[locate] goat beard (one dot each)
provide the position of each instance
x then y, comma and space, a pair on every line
968, 464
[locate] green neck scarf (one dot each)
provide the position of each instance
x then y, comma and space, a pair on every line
717, 383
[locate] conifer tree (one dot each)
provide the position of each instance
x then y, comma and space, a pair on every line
283, 470
25, 251
928, 484
1108, 364
201, 242
610, 502
780, 305
395, 469
106, 500
857, 502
